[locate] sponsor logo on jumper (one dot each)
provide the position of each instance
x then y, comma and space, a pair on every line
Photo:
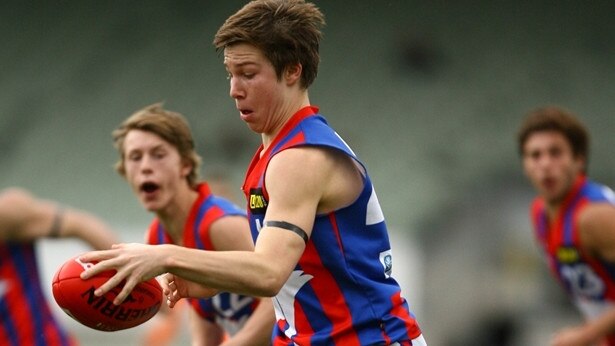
567, 254
258, 203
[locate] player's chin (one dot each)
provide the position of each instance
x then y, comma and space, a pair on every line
150, 205
255, 127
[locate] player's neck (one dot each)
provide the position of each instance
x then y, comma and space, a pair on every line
175, 215
552, 211
299, 102
554, 207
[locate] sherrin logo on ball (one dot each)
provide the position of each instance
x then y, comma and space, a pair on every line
76, 297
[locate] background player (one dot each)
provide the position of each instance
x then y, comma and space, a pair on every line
574, 220
159, 162
25, 315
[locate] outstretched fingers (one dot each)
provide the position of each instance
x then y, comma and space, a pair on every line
96, 262
125, 292
102, 261
121, 280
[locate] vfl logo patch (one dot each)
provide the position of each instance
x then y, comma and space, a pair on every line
258, 204
386, 258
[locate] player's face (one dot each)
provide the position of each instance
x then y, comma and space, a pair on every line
259, 95
549, 163
154, 169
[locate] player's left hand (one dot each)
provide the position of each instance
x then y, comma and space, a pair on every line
134, 263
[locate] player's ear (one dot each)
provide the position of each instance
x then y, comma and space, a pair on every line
580, 163
186, 168
292, 73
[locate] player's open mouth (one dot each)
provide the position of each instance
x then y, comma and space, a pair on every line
549, 185
149, 187
245, 114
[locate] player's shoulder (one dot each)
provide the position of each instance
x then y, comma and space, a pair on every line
305, 155
600, 204
303, 163
595, 213
596, 220
596, 224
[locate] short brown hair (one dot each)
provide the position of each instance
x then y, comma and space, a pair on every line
553, 118
286, 31
168, 125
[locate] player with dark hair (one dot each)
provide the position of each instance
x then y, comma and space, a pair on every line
159, 161
322, 247
25, 315
574, 220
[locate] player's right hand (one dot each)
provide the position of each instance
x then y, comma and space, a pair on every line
175, 288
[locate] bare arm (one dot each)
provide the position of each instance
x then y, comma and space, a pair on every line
23, 217
87, 227
597, 227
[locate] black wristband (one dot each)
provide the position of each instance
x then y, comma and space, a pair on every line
54, 232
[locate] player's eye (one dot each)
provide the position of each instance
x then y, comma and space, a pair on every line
134, 157
533, 155
556, 152
159, 154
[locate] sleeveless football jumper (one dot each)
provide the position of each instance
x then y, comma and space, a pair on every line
341, 292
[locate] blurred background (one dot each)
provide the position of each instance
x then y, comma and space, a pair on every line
428, 93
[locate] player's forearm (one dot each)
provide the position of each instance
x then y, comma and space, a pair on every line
243, 272
87, 227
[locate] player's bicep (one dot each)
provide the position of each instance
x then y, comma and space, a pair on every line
295, 182
294, 186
